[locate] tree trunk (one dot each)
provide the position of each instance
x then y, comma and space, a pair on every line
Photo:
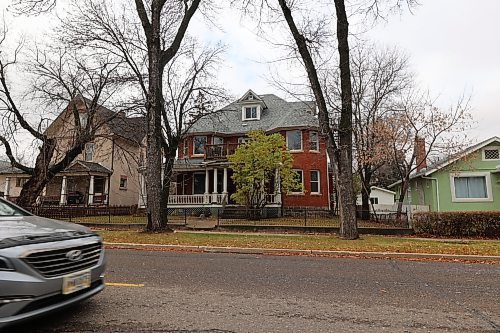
365, 177
341, 160
402, 195
167, 179
153, 108
40, 177
348, 223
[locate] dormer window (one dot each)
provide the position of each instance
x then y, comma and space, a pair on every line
251, 112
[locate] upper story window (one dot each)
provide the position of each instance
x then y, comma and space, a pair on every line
185, 148
491, 153
199, 143
84, 117
243, 140
294, 140
217, 140
251, 112
313, 141
89, 152
374, 200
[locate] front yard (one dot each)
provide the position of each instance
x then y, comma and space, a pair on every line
367, 243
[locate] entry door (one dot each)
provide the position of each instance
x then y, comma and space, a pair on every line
199, 183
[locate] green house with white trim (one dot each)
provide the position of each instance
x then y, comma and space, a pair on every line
469, 181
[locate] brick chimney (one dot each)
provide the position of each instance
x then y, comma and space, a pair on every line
420, 159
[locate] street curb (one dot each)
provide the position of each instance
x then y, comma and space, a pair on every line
262, 251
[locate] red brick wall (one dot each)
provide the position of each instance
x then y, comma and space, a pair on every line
305, 160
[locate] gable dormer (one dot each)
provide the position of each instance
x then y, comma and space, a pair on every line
251, 106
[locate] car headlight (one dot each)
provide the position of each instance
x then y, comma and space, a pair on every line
5, 264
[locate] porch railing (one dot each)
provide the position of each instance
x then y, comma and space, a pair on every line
220, 151
195, 199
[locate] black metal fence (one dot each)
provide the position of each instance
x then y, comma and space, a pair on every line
212, 217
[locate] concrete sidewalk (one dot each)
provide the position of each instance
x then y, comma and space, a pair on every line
265, 251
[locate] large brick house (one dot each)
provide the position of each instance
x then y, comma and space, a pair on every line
202, 176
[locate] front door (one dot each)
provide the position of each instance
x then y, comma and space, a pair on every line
199, 183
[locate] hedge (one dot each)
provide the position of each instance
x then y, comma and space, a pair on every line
458, 224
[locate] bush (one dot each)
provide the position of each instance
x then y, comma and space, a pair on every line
458, 224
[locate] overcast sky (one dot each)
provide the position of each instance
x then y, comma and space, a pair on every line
453, 46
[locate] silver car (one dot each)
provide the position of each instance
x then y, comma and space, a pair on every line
45, 264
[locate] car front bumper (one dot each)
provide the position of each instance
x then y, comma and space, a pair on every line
26, 294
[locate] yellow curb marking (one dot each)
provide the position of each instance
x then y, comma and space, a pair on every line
114, 284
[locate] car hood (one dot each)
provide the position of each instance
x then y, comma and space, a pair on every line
19, 230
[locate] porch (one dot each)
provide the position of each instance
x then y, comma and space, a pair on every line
205, 184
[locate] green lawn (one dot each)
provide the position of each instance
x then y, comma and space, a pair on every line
368, 243
283, 221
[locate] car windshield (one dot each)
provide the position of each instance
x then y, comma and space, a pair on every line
7, 209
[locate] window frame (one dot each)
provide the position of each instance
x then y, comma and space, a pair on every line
315, 181
292, 192
85, 152
217, 137
250, 106
185, 148
486, 175
483, 153
204, 145
301, 141
317, 141
125, 185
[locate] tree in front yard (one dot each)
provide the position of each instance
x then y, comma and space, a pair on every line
256, 163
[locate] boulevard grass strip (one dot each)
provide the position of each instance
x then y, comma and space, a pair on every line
367, 243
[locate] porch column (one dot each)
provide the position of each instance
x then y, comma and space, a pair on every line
106, 191
277, 187
64, 193
6, 193
39, 199
224, 185
214, 193
205, 199
91, 191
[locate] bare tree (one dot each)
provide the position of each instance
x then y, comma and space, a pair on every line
172, 80
60, 79
417, 124
379, 77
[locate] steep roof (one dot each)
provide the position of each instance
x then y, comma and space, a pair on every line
130, 128
276, 114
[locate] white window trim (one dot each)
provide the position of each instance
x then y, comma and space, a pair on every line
302, 191
243, 140
126, 182
489, 195
194, 142
318, 181
301, 142
490, 148
243, 112
317, 141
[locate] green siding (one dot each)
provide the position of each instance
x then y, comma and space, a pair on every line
423, 191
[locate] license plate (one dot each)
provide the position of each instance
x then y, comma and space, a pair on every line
76, 281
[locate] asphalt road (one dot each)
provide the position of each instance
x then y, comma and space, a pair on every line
196, 292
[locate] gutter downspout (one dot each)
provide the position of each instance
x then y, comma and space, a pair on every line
437, 190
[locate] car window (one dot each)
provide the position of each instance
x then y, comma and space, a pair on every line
9, 210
